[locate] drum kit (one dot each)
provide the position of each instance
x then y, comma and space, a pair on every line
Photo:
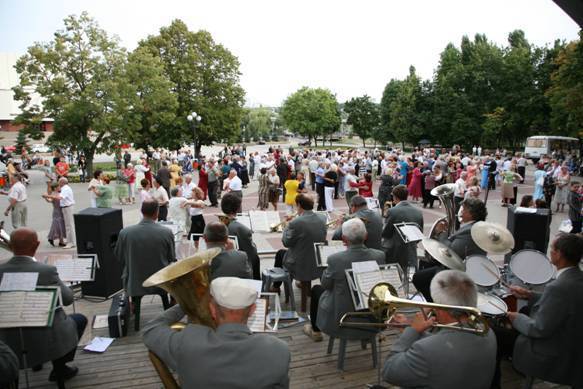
529, 268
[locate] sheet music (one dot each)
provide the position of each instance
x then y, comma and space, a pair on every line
27, 309
261, 220
411, 232
365, 266
76, 269
372, 203
202, 242
51, 259
326, 251
18, 281
366, 281
245, 220
525, 210
257, 322
99, 344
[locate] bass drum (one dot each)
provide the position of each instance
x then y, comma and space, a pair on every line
531, 267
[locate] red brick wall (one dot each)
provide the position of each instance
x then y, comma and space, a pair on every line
6, 125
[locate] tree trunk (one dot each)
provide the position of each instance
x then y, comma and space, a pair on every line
89, 155
197, 148
363, 142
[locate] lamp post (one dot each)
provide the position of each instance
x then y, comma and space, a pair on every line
273, 119
194, 118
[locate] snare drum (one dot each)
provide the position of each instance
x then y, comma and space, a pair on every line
482, 270
491, 305
532, 267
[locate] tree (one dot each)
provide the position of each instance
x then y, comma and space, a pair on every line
205, 77
21, 143
566, 91
363, 116
76, 76
405, 111
311, 112
384, 134
258, 122
150, 104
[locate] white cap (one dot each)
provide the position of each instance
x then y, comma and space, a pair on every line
233, 292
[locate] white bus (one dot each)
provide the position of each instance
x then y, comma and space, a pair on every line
537, 146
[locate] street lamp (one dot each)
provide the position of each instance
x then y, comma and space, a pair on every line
273, 119
193, 118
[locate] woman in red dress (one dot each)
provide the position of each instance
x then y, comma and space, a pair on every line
203, 181
364, 186
414, 187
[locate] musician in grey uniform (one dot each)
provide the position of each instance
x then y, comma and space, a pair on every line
331, 300
230, 356
230, 203
402, 212
547, 342
58, 342
229, 262
443, 358
8, 366
461, 242
143, 249
299, 237
372, 220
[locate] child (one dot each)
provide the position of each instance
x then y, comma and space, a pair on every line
574, 201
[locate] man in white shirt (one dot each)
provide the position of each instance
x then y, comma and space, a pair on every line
236, 186
67, 202
17, 198
459, 191
188, 186
161, 196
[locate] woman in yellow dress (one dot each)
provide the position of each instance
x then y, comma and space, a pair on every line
175, 171
291, 191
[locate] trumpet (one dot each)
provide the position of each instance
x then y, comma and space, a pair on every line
345, 218
384, 304
279, 226
225, 219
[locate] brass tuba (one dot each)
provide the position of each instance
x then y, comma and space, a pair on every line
445, 194
188, 281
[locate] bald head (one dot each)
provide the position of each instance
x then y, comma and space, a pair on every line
24, 241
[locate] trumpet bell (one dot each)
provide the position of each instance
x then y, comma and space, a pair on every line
188, 282
443, 190
377, 299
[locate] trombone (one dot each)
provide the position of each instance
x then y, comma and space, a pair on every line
279, 226
384, 303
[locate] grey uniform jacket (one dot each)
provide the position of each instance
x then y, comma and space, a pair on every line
42, 344
230, 263
396, 249
549, 346
245, 238
445, 359
8, 365
336, 299
374, 228
461, 242
143, 249
230, 357
299, 237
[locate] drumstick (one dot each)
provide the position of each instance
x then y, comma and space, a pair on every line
504, 283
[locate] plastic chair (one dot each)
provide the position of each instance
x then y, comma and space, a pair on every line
342, 348
278, 274
137, 302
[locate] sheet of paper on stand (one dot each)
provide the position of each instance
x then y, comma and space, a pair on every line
327, 251
411, 232
262, 220
51, 259
365, 266
27, 309
100, 321
202, 243
257, 322
365, 282
18, 281
245, 220
525, 210
372, 203
99, 344
76, 269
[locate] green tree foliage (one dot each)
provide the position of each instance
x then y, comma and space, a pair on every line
363, 116
76, 76
258, 122
566, 91
21, 143
205, 77
311, 112
150, 104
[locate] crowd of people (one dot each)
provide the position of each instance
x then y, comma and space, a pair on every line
543, 339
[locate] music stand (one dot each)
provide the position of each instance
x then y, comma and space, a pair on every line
77, 270
264, 312
28, 309
245, 219
373, 203
261, 221
323, 250
410, 233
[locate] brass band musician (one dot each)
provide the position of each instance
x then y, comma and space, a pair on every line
230, 356
442, 358
373, 224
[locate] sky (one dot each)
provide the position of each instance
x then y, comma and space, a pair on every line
350, 47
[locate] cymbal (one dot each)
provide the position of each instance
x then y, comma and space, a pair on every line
181, 267
443, 254
492, 238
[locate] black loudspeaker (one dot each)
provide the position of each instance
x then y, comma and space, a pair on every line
97, 230
530, 230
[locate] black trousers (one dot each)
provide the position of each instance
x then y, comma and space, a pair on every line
163, 213
197, 225
422, 280
491, 181
321, 198
313, 180
522, 172
576, 226
212, 190
317, 291
59, 364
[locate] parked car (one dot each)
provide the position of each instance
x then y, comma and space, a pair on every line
40, 148
261, 142
304, 143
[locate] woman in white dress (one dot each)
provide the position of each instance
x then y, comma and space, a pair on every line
177, 213
94, 183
